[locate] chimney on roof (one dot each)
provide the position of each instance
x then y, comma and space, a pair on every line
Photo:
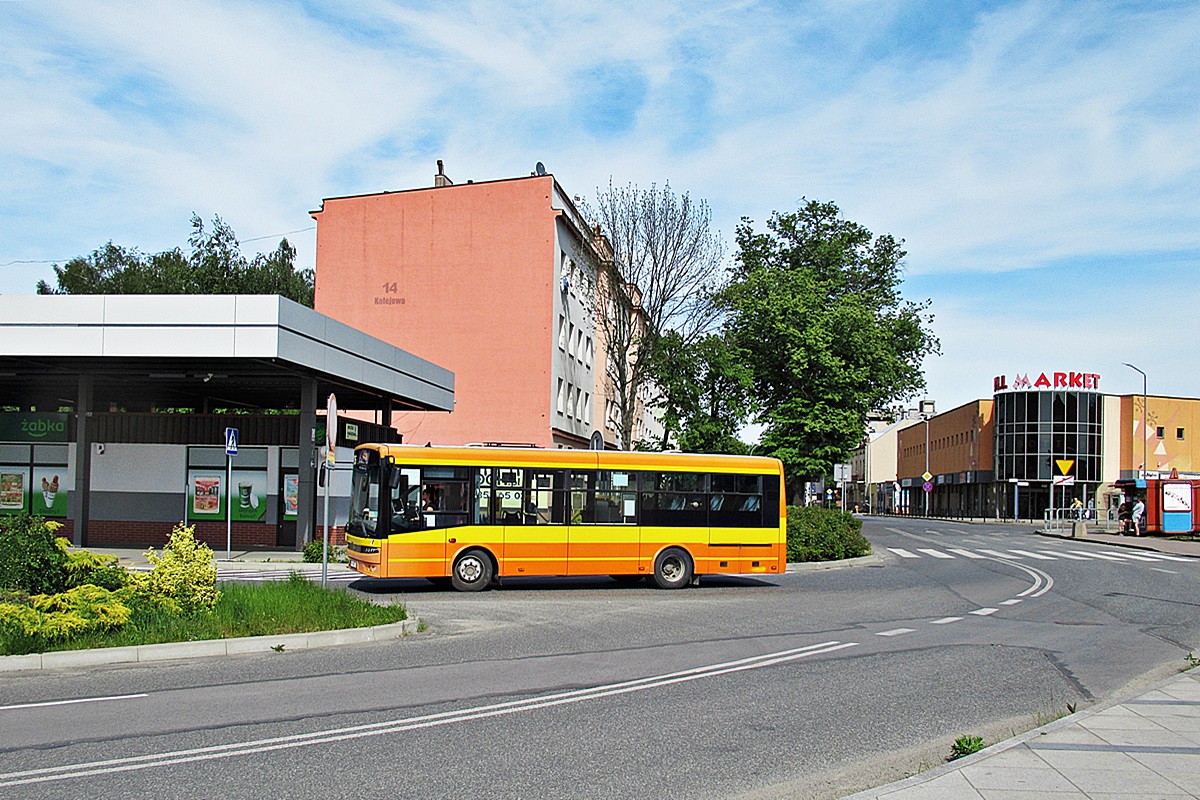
441, 179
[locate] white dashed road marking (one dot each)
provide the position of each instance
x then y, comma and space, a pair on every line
945, 620
896, 632
900, 551
983, 612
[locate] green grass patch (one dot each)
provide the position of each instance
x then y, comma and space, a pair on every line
296, 605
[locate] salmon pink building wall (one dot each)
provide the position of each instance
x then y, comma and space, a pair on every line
468, 276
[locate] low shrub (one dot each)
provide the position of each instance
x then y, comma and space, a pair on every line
98, 569
31, 561
313, 550
28, 624
183, 578
824, 534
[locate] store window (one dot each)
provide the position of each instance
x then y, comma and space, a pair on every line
33, 479
208, 493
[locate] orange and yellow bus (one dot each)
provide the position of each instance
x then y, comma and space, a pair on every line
470, 516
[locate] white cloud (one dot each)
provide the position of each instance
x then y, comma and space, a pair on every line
1038, 133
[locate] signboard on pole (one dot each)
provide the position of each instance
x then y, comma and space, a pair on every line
331, 426
231, 441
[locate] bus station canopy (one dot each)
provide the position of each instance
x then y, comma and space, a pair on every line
143, 352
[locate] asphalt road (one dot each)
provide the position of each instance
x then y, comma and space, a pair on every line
813, 684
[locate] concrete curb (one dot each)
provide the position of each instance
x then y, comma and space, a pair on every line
207, 648
1007, 744
812, 566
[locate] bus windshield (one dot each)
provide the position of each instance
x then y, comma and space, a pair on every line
364, 495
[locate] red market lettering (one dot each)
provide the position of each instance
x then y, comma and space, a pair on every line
1053, 380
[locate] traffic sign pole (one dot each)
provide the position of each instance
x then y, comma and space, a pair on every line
231, 449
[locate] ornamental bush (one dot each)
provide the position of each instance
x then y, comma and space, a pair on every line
97, 569
824, 534
31, 561
183, 577
27, 623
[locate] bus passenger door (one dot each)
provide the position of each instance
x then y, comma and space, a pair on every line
530, 504
605, 537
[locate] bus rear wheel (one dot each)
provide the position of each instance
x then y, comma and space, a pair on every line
472, 571
672, 569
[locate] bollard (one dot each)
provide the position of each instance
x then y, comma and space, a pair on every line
1079, 529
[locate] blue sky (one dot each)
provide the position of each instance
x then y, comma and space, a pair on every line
1041, 160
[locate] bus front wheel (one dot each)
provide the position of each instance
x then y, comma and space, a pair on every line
472, 571
672, 569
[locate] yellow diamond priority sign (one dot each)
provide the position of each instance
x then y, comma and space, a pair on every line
927, 477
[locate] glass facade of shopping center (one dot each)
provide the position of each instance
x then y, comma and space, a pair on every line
1035, 429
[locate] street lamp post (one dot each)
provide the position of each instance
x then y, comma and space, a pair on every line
1145, 435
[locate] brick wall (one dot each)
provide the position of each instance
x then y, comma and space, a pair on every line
244, 535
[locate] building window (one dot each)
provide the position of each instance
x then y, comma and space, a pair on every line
591, 349
571, 340
1161, 431
562, 332
1179, 434
562, 400
587, 409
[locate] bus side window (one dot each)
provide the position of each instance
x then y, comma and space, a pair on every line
735, 501
483, 496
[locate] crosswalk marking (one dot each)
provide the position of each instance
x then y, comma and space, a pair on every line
1167, 557
997, 554
900, 551
964, 553
280, 575
1061, 554
1100, 556
1115, 556
1032, 555
1132, 556
932, 552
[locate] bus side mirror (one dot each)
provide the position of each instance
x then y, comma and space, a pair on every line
394, 475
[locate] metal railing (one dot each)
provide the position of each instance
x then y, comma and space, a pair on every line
1060, 518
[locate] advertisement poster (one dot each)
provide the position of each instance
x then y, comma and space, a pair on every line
249, 495
206, 493
12, 489
48, 497
291, 496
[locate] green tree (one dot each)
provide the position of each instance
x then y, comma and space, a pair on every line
215, 265
705, 390
815, 304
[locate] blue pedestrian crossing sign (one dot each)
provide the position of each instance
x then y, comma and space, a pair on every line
231, 437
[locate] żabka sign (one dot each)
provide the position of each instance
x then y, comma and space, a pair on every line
1051, 380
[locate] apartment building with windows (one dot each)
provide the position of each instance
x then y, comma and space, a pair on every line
499, 280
